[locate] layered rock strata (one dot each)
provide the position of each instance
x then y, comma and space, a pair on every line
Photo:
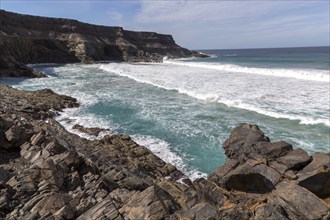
26, 39
49, 173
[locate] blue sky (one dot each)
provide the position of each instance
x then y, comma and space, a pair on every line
200, 24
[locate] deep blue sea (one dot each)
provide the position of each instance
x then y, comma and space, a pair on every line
183, 110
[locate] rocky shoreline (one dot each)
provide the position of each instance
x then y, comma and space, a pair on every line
47, 172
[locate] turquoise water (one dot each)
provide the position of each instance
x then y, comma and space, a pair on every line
183, 110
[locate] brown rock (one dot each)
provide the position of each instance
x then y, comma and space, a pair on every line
295, 159
252, 178
270, 211
299, 203
201, 211
17, 135
316, 175
149, 204
272, 150
94, 131
319, 160
279, 167
51, 204
241, 140
38, 139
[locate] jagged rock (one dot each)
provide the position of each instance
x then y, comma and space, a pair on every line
316, 176
279, 167
270, 211
51, 204
149, 204
295, 159
58, 175
90, 131
37, 139
272, 150
251, 177
201, 211
290, 174
299, 203
17, 135
241, 139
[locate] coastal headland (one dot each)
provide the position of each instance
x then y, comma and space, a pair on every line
26, 39
47, 172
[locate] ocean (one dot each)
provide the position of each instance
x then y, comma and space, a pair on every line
184, 109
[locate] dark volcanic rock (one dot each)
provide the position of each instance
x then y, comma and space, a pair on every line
90, 131
252, 178
295, 159
241, 139
32, 39
316, 176
48, 173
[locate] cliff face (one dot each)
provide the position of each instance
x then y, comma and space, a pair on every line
33, 39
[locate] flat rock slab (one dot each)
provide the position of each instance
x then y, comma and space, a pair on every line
300, 202
295, 159
273, 150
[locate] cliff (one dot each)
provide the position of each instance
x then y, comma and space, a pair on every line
49, 173
26, 39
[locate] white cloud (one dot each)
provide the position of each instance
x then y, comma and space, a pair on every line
191, 11
225, 24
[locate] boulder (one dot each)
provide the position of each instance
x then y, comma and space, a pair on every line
295, 159
249, 177
316, 175
17, 135
241, 140
272, 150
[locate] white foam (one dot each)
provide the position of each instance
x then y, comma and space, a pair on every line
162, 149
210, 86
303, 74
301, 119
71, 116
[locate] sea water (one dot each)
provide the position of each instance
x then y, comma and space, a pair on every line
183, 110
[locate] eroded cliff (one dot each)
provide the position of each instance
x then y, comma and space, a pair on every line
32, 39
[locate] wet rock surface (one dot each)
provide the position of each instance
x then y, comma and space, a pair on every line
48, 173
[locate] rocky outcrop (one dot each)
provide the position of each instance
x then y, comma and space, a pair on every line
48, 173
31, 39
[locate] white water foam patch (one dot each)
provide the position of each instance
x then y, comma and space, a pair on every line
301, 119
279, 99
303, 74
162, 150
71, 116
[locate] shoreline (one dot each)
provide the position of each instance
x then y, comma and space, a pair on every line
48, 172
115, 176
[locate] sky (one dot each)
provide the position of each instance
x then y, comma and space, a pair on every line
195, 24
